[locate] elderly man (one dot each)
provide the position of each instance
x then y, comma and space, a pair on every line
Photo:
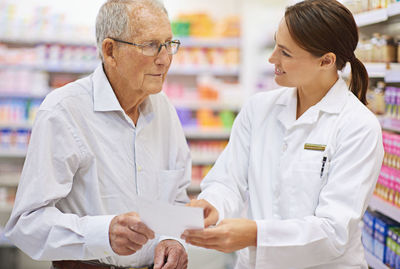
99, 143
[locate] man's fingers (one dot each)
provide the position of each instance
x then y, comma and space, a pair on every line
172, 260
159, 257
136, 237
136, 225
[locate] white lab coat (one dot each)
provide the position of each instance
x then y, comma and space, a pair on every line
304, 220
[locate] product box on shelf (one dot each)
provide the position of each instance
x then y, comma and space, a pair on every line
368, 231
382, 226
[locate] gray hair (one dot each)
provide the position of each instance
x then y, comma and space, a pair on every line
113, 19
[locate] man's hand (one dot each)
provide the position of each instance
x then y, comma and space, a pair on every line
210, 212
170, 254
128, 234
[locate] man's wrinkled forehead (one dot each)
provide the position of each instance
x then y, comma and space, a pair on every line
143, 15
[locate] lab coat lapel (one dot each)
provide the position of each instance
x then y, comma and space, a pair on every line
288, 104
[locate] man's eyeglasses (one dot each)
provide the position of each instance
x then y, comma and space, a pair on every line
154, 48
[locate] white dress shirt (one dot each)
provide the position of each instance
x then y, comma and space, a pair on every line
307, 217
85, 164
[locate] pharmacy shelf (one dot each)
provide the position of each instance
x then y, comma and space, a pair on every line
194, 71
12, 153
389, 124
52, 68
378, 15
6, 208
393, 9
389, 72
385, 208
209, 42
374, 262
194, 187
16, 126
42, 40
24, 95
204, 160
199, 104
371, 17
9, 180
207, 133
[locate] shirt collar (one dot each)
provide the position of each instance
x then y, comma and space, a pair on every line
332, 102
104, 98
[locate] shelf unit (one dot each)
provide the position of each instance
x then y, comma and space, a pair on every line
377, 16
374, 262
210, 42
11, 180
384, 207
207, 133
198, 104
194, 71
12, 153
53, 68
390, 72
7, 208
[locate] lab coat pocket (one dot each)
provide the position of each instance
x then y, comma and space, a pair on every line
168, 182
308, 182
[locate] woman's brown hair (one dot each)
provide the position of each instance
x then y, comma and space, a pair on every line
322, 26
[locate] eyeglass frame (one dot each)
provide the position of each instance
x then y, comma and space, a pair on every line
159, 48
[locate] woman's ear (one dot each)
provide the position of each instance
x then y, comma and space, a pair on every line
328, 60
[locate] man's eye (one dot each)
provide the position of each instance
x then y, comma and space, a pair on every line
153, 45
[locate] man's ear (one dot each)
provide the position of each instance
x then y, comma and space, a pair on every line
109, 49
328, 60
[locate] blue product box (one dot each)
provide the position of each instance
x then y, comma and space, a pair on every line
368, 231
382, 226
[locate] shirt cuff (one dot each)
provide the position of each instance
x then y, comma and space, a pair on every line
182, 242
96, 234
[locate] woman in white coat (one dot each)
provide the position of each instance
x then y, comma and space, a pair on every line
305, 158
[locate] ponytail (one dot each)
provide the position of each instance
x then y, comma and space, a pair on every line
359, 79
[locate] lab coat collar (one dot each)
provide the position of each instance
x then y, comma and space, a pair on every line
104, 98
332, 102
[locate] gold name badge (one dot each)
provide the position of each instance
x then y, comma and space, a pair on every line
314, 147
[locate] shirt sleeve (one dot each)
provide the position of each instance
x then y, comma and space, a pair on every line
36, 225
226, 185
317, 239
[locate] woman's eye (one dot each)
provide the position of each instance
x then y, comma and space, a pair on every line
285, 54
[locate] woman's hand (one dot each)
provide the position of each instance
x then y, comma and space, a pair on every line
228, 236
210, 213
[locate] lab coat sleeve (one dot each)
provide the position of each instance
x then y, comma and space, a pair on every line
317, 239
226, 185
36, 225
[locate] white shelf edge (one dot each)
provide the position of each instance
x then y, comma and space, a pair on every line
194, 187
9, 180
387, 209
6, 208
198, 42
65, 41
204, 161
51, 68
393, 9
373, 261
25, 95
214, 105
378, 70
16, 126
371, 17
12, 153
193, 71
193, 133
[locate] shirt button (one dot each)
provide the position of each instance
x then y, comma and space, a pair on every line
139, 168
285, 146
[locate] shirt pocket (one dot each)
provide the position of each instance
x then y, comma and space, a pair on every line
308, 184
168, 182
